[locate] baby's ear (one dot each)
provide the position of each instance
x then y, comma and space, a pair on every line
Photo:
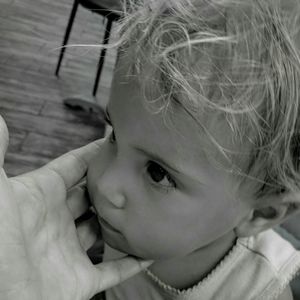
268, 212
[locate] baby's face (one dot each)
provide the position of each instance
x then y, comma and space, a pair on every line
156, 194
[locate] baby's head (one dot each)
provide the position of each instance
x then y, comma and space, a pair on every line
205, 110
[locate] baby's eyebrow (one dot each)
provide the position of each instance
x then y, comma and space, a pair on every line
152, 155
155, 157
176, 169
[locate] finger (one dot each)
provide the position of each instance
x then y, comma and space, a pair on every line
10, 229
87, 232
72, 166
78, 200
111, 273
3, 140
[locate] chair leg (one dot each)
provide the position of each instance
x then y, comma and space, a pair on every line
102, 55
67, 34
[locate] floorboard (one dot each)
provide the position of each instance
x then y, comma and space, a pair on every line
31, 97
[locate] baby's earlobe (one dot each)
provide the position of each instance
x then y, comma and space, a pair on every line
262, 218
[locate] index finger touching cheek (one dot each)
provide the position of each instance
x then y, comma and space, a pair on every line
73, 165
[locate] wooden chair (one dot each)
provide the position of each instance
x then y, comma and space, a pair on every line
111, 10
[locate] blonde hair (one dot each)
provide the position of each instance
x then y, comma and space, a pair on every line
237, 58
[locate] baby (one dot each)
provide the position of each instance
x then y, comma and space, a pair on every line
203, 159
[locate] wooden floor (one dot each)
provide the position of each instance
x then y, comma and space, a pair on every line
31, 97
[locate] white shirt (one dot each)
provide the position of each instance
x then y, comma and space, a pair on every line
259, 267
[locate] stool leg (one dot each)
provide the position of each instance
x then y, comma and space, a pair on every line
67, 34
102, 55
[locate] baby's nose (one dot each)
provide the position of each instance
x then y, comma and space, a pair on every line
111, 196
117, 200
111, 184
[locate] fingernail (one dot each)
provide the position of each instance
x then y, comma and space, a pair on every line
146, 263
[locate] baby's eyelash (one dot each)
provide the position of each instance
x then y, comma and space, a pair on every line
157, 174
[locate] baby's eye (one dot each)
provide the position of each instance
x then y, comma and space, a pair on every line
159, 175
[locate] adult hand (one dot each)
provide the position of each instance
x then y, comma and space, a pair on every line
42, 253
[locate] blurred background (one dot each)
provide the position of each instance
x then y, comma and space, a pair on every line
31, 96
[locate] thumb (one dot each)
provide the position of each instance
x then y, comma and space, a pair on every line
3, 140
113, 272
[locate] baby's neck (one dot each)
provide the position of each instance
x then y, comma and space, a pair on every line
185, 272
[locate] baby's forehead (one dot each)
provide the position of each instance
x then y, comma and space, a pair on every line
203, 130
212, 136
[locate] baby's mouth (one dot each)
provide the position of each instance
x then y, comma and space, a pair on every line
104, 224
